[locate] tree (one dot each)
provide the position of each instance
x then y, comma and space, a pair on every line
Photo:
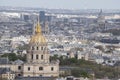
13, 57
84, 66
80, 73
55, 57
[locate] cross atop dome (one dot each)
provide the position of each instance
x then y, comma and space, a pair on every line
38, 27
38, 38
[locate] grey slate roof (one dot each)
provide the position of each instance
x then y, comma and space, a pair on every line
3, 61
18, 62
4, 70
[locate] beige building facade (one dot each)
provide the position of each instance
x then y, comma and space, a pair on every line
38, 63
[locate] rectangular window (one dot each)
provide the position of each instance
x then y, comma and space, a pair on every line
52, 68
19, 74
40, 68
28, 68
37, 48
37, 56
19, 67
32, 56
41, 56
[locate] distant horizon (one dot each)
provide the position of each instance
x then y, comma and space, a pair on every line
55, 8
63, 4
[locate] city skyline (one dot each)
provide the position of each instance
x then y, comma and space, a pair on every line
63, 4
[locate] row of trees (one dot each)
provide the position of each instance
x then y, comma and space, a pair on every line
86, 68
13, 57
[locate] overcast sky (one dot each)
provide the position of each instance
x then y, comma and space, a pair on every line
66, 4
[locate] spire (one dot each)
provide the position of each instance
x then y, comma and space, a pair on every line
100, 13
38, 38
38, 27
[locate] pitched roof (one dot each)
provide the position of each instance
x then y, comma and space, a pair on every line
18, 62
3, 61
4, 70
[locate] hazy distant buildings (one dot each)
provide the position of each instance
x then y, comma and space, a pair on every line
67, 35
25, 17
101, 21
42, 16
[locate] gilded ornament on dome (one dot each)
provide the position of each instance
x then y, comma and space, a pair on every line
38, 38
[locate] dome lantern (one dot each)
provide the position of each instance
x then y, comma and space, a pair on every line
38, 38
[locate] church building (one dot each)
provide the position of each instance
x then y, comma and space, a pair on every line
38, 62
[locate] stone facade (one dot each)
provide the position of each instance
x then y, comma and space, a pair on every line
38, 63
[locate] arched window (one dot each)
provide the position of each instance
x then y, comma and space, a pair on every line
41, 56
37, 56
19, 67
37, 48
28, 68
52, 68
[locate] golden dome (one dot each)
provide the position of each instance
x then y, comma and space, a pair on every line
38, 38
